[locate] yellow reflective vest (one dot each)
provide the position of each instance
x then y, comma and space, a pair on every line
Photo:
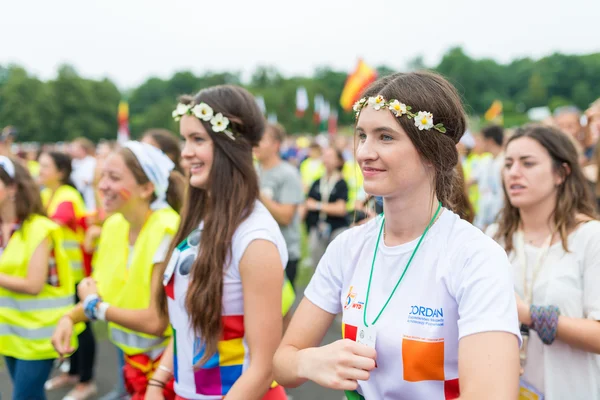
27, 322
311, 170
128, 286
73, 239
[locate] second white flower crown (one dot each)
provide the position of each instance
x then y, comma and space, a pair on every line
205, 113
423, 119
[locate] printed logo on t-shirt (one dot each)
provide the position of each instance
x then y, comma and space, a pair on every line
351, 301
421, 315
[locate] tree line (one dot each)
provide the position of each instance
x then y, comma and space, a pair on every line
71, 105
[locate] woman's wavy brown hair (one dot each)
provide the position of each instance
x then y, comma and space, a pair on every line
27, 198
573, 195
232, 192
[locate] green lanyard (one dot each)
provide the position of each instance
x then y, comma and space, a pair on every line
403, 273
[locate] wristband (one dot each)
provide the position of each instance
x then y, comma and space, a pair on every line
101, 311
545, 322
89, 299
89, 306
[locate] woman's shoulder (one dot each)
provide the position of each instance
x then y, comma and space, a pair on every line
259, 219
587, 231
36, 221
465, 240
114, 221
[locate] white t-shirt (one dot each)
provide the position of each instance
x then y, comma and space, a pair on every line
457, 285
568, 281
215, 378
83, 178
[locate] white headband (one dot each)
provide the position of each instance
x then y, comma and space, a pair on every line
7, 166
157, 167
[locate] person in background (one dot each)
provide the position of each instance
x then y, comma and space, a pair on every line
281, 192
32, 155
489, 177
460, 198
312, 168
36, 284
64, 204
143, 195
7, 138
593, 128
549, 229
568, 120
326, 215
82, 151
169, 144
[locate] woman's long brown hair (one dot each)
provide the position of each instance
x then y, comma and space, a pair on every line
573, 195
27, 198
232, 192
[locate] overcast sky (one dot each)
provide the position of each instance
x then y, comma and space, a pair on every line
131, 40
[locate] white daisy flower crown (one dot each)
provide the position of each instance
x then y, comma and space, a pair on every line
204, 112
423, 119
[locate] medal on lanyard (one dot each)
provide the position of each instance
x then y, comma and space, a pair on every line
528, 289
367, 334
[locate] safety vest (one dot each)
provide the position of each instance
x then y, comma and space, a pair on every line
311, 170
34, 168
129, 287
354, 178
73, 238
27, 322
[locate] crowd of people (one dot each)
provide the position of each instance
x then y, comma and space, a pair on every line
462, 263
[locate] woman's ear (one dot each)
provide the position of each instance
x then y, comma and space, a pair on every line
564, 173
147, 190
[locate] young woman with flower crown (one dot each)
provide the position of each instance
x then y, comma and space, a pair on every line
223, 283
428, 306
142, 193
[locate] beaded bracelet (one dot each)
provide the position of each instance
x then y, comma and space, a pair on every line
545, 322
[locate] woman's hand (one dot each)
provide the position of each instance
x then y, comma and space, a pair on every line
86, 287
91, 235
312, 204
154, 393
523, 311
61, 338
338, 365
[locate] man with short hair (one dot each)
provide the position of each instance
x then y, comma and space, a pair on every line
489, 177
7, 139
280, 191
568, 120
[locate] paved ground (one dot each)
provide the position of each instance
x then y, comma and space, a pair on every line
106, 375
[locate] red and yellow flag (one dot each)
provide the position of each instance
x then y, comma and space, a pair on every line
123, 121
494, 113
357, 81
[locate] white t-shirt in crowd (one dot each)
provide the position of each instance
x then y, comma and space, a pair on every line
457, 285
215, 378
570, 282
83, 178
